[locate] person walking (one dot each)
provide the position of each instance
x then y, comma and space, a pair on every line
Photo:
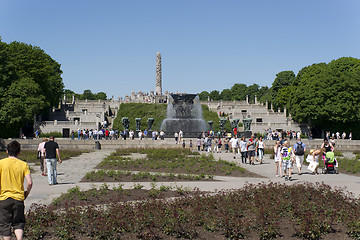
286, 160
51, 149
277, 158
299, 151
234, 144
226, 144
260, 145
198, 143
251, 149
208, 144
176, 136
219, 145
181, 135
13, 171
243, 149
42, 156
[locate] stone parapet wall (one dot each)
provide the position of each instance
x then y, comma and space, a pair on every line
32, 144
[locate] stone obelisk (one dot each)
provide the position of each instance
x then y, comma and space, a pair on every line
158, 89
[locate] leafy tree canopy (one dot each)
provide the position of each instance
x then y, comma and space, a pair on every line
283, 79
30, 82
87, 94
225, 95
328, 95
214, 95
203, 96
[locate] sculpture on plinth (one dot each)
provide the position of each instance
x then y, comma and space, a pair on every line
125, 122
150, 122
247, 124
235, 123
138, 123
222, 123
210, 125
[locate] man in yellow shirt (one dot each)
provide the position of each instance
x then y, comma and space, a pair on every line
13, 171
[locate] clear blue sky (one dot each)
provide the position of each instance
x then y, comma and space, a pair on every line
111, 46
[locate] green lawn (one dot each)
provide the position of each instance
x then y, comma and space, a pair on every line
170, 161
30, 156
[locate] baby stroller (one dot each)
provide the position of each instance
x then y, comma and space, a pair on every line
330, 163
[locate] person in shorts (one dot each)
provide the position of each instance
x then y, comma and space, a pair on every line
13, 171
286, 160
251, 149
299, 151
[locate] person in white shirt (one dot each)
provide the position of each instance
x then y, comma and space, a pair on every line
243, 149
181, 135
140, 135
234, 144
95, 133
112, 134
260, 146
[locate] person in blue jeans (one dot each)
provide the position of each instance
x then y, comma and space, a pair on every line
51, 149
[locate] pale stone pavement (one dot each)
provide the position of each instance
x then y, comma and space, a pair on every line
70, 172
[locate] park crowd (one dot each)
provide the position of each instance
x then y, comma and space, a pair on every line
252, 150
110, 134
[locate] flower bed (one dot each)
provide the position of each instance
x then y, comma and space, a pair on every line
128, 176
264, 211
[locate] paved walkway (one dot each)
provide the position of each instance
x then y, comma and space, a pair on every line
71, 172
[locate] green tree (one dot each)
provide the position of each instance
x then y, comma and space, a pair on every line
328, 95
30, 82
100, 96
214, 95
283, 79
264, 94
87, 94
284, 97
225, 95
251, 91
203, 96
238, 92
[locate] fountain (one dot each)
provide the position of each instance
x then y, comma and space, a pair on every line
184, 113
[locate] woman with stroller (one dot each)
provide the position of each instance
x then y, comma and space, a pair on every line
327, 146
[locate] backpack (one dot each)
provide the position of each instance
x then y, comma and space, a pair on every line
299, 150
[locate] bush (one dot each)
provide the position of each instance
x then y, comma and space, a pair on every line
47, 135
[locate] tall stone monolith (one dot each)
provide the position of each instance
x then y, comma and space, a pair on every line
158, 88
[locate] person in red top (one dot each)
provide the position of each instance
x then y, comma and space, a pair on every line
106, 134
235, 131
